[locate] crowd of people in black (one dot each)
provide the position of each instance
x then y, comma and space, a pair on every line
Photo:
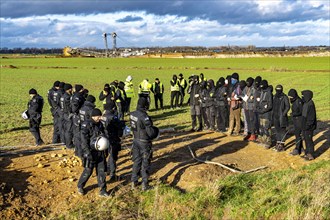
229, 106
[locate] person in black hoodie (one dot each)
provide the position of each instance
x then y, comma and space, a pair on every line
248, 106
157, 89
281, 107
210, 104
195, 109
264, 106
296, 114
220, 105
309, 123
203, 96
257, 92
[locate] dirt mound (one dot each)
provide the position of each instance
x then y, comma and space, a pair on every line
41, 181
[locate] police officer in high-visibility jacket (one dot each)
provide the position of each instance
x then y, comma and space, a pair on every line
108, 98
158, 89
183, 85
145, 88
129, 90
144, 132
175, 91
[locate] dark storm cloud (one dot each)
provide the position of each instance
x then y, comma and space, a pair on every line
130, 19
235, 12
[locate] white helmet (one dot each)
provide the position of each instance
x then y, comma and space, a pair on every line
129, 78
25, 115
101, 143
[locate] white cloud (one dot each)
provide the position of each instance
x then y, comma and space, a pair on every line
156, 30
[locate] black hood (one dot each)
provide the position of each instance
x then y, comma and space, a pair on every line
143, 103
242, 84
249, 82
257, 81
210, 83
293, 95
203, 85
221, 82
307, 95
121, 85
264, 84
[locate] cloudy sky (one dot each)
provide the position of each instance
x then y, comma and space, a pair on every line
58, 23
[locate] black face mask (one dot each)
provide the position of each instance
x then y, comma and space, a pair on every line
303, 99
279, 92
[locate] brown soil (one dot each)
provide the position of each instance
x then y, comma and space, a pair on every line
41, 181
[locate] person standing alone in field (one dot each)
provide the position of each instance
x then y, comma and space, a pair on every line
35, 106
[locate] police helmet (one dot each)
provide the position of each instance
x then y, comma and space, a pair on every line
100, 143
25, 115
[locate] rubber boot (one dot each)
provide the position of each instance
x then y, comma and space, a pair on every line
253, 137
247, 137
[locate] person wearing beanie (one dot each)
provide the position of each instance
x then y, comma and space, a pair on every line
281, 108
108, 97
53, 97
129, 90
309, 123
264, 106
157, 89
77, 102
35, 106
248, 107
143, 134
183, 85
296, 116
234, 106
65, 104
91, 130
221, 105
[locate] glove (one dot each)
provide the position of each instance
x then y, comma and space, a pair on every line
88, 156
258, 99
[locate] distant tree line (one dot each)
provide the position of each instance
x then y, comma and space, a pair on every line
177, 49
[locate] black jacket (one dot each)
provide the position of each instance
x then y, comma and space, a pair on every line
309, 122
52, 99
109, 100
85, 111
90, 130
142, 126
35, 106
77, 102
220, 96
265, 105
65, 103
113, 127
282, 109
193, 90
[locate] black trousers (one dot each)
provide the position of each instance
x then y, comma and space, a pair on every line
68, 129
141, 156
265, 127
297, 121
175, 98
279, 131
113, 157
257, 122
76, 136
227, 115
158, 97
251, 121
99, 165
181, 97
61, 126
205, 119
308, 138
128, 104
221, 112
34, 127
210, 112
56, 127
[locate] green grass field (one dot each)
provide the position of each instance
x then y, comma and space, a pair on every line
40, 73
